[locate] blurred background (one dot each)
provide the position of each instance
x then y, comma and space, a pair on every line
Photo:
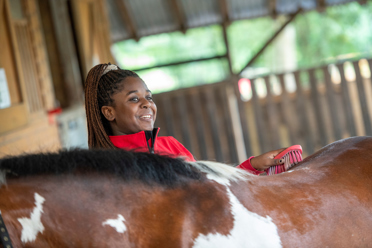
232, 78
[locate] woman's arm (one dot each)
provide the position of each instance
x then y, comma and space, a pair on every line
258, 164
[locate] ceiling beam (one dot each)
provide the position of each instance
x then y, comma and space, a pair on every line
252, 60
127, 20
225, 23
224, 12
178, 14
272, 8
179, 63
321, 5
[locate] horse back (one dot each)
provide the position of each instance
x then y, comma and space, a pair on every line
325, 201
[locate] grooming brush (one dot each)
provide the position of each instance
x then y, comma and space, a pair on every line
292, 155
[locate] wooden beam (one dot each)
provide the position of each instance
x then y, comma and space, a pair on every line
225, 23
178, 14
179, 63
224, 12
290, 19
321, 5
226, 41
127, 20
272, 8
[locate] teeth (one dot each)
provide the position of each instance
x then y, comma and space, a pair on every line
146, 116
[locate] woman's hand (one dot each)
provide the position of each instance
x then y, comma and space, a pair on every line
266, 160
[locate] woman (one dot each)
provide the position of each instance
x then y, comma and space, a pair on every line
121, 114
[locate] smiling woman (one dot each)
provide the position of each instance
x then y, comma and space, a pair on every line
121, 114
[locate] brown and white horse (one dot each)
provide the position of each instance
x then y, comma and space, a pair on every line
114, 198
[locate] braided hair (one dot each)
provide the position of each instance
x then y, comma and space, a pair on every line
100, 85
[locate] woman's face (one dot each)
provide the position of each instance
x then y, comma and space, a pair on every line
133, 109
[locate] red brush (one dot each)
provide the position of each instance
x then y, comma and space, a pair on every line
292, 155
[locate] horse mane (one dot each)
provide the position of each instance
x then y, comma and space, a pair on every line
145, 167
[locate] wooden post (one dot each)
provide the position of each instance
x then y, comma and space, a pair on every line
315, 100
362, 99
346, 102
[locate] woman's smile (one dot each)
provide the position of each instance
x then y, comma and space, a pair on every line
146, 117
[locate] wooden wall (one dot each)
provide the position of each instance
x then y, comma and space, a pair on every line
47, 48
25, 125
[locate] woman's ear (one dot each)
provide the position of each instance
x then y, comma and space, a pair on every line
108, 112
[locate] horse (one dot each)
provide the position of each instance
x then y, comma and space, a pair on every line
116, 198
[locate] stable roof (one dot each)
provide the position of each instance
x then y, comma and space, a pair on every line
138, 18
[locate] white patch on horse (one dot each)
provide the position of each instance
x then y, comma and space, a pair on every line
250, 229
221, 173
118, 224
32, 226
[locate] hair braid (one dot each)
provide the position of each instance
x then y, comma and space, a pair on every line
99, 87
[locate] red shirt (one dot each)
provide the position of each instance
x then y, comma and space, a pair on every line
143, 142
148, 141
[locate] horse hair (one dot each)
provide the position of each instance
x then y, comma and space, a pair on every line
145, 167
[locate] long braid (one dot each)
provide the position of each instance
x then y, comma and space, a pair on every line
99, 89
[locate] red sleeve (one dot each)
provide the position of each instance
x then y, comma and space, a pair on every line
180, 150
246, 165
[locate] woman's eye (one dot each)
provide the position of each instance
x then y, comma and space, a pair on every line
134, 99
149, 98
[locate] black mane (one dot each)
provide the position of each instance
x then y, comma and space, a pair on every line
148, 168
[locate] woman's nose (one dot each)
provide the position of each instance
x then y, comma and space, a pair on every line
145, 103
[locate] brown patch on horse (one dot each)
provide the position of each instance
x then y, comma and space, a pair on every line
174, 218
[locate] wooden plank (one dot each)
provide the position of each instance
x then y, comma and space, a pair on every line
13, 117
39, 135
71, 74
346, 102
28, 66
260, 124
126, 19
331, 99
200, 132
362, 99
286, 108
39, 52
53, 56
166, 107
160, 117
272, 116
213, 124
183, 117
228, 124
243, 117
319, 117
8, 54
302, 114
178, 14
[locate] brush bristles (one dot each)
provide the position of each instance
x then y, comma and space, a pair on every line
290, 159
